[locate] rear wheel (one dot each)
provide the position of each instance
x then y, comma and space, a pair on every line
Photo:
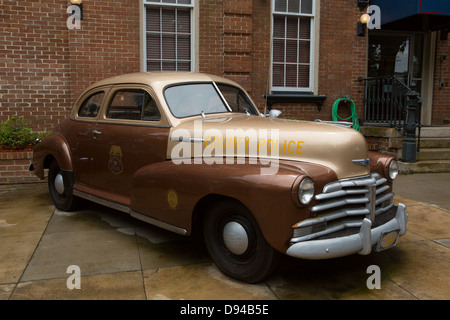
61, 190
236, 243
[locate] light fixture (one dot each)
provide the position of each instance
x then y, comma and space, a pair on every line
364, 19
362, 4
79, 4
361, 25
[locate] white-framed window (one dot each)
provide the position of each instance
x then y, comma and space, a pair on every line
293, 45
168, 38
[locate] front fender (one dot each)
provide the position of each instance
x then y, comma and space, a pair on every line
54, 146
169, 192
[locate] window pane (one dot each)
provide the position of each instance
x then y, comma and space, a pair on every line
307, 6
194, 99
153, 46
291, 75
278, 50
305, 28
91, 105
183, 66
294, 6
168, 20
168, 47
280, 5
303, 76
278, 75
154, 65
153, 20
169, 66
304, 54
126, 105
291, 51
279, 27
184, 48
292, 28
183, 21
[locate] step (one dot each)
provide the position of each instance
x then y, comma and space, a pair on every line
435, 132
430, 166
397, 143
433, 154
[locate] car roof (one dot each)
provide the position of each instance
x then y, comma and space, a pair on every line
160, 78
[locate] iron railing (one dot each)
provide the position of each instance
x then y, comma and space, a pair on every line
386, 101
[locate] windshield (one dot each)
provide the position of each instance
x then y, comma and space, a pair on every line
203, 98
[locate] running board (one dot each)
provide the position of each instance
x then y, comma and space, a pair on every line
158, 223
132, 213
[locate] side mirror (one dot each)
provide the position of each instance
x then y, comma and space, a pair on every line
274, 113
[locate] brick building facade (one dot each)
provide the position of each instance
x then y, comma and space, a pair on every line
44, 65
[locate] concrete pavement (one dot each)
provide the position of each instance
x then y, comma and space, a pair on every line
121, 258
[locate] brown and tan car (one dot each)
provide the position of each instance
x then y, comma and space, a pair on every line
190, 152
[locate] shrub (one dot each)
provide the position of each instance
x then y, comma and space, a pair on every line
15, 134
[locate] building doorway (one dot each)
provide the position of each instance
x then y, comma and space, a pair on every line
397, 54
395, 67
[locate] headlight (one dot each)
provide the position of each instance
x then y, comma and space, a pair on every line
306, 191
393, 169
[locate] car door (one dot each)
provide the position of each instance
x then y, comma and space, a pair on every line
131, 133
81, 134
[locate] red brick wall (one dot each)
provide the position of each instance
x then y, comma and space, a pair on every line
14, 167
106, 45
342, 57
44, 66
441, 97
34, 61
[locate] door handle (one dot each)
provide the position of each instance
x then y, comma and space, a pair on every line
96, 133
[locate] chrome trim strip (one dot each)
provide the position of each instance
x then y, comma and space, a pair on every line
373, 201
132, 213
102, 202
158, 223
183, 139
361, 162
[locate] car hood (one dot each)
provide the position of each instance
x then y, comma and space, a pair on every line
220, 137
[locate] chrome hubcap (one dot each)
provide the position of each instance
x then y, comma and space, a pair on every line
59, 184
235, 237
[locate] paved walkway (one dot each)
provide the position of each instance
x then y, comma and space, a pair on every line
122, 258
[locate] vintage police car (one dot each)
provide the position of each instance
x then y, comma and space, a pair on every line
190, 152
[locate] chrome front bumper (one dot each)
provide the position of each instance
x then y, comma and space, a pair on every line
361, 242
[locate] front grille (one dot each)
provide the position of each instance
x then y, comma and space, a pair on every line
343, 205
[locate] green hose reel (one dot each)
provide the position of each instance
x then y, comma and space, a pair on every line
353, 116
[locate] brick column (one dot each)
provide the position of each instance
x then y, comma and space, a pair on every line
237, 41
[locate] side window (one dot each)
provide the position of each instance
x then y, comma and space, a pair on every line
91, 106
236, 99
133, 104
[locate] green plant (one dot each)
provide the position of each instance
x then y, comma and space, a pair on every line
15, 134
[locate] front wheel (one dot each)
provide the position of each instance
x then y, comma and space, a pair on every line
236, 243
61, 190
